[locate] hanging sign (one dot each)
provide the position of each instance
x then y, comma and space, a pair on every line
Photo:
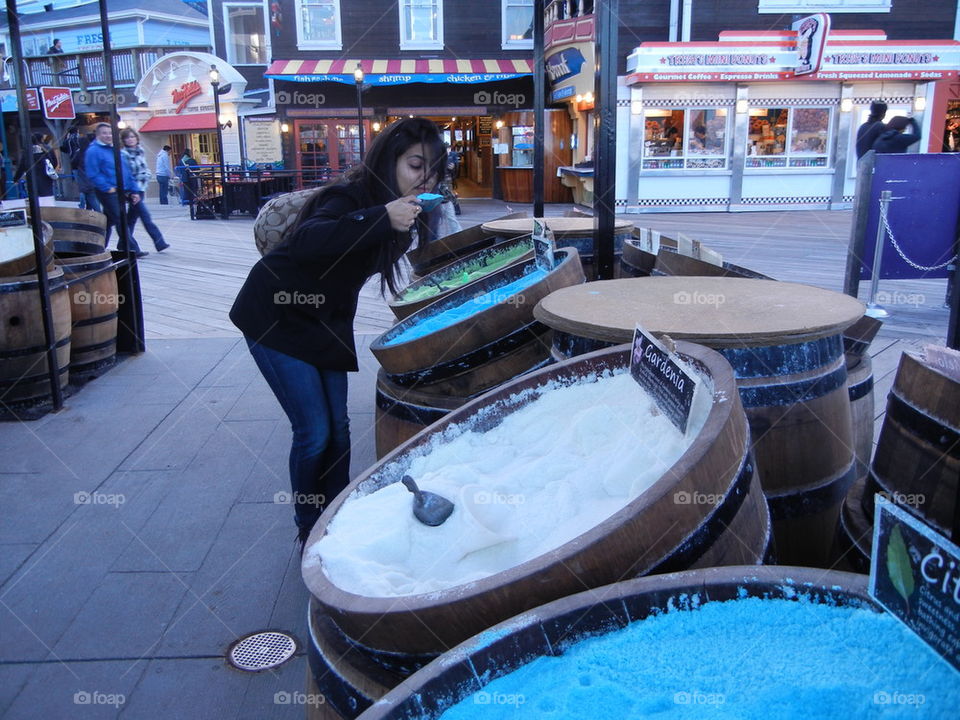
657, 371
811, 37
57, 103
915, 576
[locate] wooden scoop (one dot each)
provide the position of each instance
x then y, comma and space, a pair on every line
429, 508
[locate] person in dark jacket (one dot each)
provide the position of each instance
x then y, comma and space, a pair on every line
98, 161
297, 306
39, 160
188, 180
88, 194
894, 139
868, 133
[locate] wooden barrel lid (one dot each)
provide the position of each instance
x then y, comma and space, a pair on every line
715, 311
561, 226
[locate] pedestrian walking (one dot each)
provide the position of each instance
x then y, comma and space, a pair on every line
164, 173
895, 139
297, 306
88, 195
136, 158
188, 181
98, 161
42, 164
868, 133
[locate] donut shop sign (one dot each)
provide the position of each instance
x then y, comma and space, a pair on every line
57, 103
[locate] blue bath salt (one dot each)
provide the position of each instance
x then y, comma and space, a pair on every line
466, 309
737, 660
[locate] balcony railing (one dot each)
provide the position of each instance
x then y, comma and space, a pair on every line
86, 70
568, 21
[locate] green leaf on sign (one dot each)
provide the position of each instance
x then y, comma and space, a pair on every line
898, 564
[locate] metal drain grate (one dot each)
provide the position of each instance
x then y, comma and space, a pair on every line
262, 650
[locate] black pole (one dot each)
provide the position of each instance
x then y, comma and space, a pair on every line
358, 80
605, 138
215, 84
133, 292
538, 107
243, 149
46, 313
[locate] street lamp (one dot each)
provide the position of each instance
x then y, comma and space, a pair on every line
215, 84
358, 79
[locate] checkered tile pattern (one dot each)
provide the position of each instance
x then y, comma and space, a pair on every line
792, 102
810, 200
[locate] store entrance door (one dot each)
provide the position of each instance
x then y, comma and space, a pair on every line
326, 148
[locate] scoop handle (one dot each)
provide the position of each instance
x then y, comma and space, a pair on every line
411, 485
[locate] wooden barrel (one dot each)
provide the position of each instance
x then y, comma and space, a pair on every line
443, 251
276, 218
94, 302
552, 629
640, 251
854, 541
783, 340
485, 349
670, 262
460, 274
17, 254
23, 361
660, 530
81, 230
917, 460
403, 412
568, 232
860, 392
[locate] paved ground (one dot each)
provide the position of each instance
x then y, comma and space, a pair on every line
140, 534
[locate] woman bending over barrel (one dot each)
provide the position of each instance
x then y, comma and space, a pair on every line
297, 306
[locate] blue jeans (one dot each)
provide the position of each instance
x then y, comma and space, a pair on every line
164, 182
110, 206
88, 201
140, 212
315, 402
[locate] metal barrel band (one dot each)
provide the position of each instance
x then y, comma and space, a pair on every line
27, 379
569, 345
943, 438
795, 392
771, 360
812, 500
714, 525
32, 350
408, 412
95, 320
861, 389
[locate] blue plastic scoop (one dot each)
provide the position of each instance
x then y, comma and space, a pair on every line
429, 201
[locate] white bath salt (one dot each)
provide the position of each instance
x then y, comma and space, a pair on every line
547, 473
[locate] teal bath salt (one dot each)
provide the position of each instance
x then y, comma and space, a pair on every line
737, 660
467, 273
466, 309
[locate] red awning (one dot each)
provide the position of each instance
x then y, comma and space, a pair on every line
400, 71
180, 123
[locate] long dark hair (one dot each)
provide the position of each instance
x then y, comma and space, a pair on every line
377, 176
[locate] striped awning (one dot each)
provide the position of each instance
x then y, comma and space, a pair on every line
399, 72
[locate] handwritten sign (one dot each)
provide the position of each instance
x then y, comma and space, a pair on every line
915, 576
544, 247
656, 370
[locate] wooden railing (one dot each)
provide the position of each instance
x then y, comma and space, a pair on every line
85, 70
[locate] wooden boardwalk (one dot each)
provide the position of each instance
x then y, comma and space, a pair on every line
188, 290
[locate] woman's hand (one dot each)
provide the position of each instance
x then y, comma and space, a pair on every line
403, 212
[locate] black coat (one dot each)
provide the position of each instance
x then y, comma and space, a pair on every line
301, 298
34, 162
867, 135
894, 141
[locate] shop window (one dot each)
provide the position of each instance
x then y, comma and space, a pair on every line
521, 138
517, 23
694, 139
833, 6
245, 34
788, 137
421, 24
318, 24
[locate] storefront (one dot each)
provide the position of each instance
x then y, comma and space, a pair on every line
317, 105
753, 122
177, 108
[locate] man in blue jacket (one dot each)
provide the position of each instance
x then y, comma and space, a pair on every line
99, 165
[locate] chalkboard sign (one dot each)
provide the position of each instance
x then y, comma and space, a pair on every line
13, 218
915, 576
485, 125
659, 374
544, 247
